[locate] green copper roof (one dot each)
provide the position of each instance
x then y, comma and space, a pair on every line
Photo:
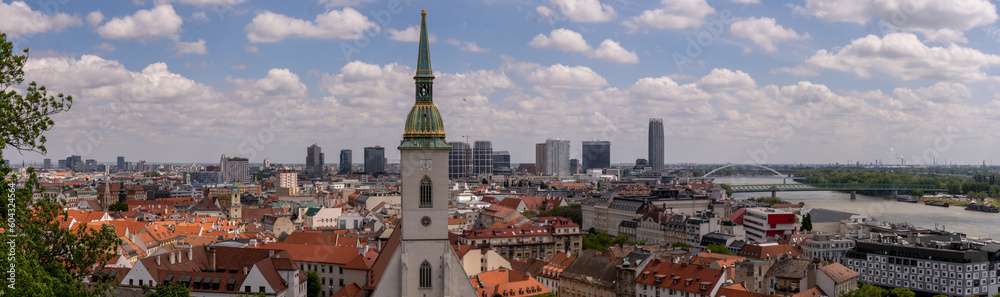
424, 126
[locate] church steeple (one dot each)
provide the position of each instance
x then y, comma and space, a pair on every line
424, 126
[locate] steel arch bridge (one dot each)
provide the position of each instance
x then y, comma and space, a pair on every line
776, 173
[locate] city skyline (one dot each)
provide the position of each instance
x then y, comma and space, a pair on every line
768, 83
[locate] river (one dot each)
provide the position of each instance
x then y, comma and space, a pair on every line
957, 219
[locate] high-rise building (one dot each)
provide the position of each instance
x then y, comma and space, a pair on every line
90, 165
234, 170
501, 163
459, 160
419, 260
314, 161
574, 166
61, 164
656, 143
267, 163
121, 163
375, 160
557, 157
540, 159
482, 158
288, 182
75, 163
346, 160
596, 154
47, 164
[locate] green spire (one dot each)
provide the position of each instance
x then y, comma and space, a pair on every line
424, 53
424, 126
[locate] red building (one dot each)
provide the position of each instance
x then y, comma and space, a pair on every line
767, 224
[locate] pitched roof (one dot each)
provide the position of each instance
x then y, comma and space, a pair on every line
592, 268
696, 279
766, 250
790, 268
811, 292
351, 290
738, 290
508, 283
839, 273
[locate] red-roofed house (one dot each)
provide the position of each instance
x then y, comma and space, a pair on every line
663, 278
326, 260
507, 282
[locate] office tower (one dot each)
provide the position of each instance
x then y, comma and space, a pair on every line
346, 159
574, 166
267, 163
540, 159
501, 163
656, 143
90, 165
314, 161
288, 182
557, 157
48, 164
128, 166
482, 158
459, 160
641, 163
596, 154
61, 164
75, 163
121, 163
234, 170
375, 160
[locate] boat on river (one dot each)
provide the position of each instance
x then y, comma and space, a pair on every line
982, 207
936, 203
906, 198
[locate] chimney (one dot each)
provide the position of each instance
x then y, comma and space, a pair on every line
270, 253
246, 270
158, 261
211, 258
171, 257
190, 253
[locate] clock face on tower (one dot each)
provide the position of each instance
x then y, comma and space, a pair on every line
425, 165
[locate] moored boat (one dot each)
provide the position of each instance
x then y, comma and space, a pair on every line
936, 203
982, 207
906, 198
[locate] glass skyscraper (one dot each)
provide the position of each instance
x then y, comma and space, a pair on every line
656, 143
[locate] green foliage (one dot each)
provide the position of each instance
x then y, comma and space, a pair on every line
26, 115
573, 212
549, 294
719, 249
118, 206
769, 200
601, 241
544, 186
484, 181
151, 174
223, 197
174, 290
807, 222
313, 286
529, 214
869, 290
50, 260
680, 244
728, 188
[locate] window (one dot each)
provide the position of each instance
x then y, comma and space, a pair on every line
261, 288
425, 271
246, 289
425, 192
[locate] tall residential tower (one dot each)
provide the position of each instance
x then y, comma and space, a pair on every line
656, 143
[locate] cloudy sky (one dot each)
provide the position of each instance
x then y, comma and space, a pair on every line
807, 81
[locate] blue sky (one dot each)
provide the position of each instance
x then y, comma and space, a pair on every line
735, 80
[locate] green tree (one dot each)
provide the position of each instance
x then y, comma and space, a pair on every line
50, 260
313, 286
867, 290
529, 213
485, 182
573, 212
902, 292
728, 188
118, 206
719, 249
549, 294
174, 290
680, 244
807, 222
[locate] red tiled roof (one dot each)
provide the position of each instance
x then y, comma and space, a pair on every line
685, 277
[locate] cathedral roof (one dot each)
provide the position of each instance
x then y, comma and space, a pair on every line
424, 126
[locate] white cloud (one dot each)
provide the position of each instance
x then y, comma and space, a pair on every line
95, 18
473, 47
339, 3
942, 21
217, 4
764, 32
197, 47
104, 46
159, 22
559, 77
726, 80
251, 49
903, 56
675, 14
335, 24
199, 16
745, 1
18, 20
611, 50
410, 34
544, 11
585, 11
278, 84
799, 70
561, 39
